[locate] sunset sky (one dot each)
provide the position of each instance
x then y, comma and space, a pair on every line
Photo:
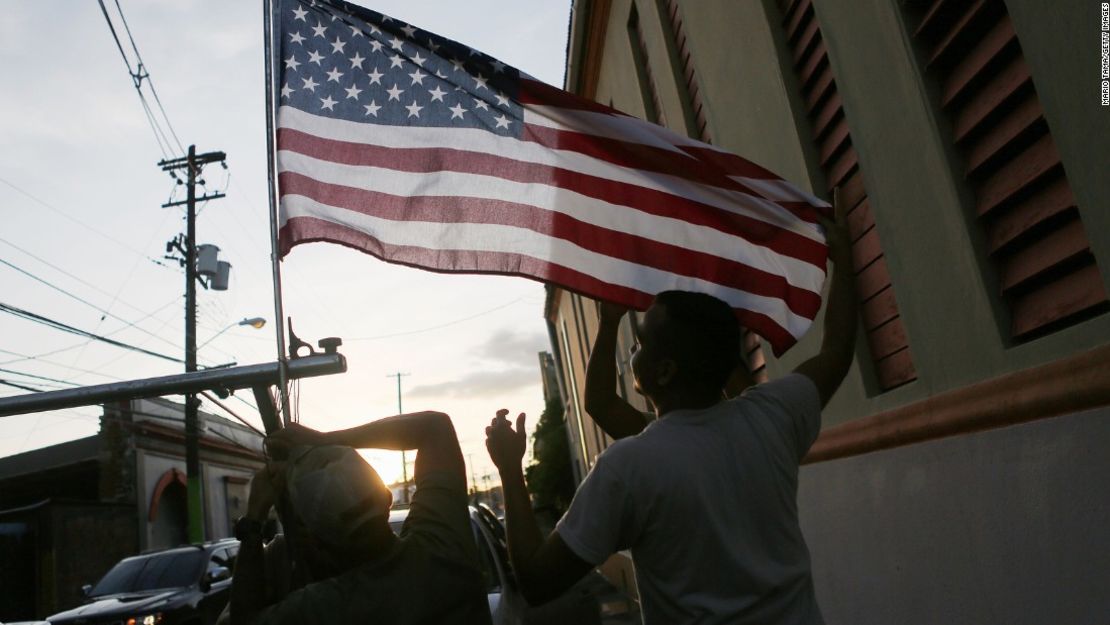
80, 197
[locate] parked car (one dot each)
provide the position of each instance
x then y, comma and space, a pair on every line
188, 585
593, 600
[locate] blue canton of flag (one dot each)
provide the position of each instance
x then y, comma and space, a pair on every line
343, 61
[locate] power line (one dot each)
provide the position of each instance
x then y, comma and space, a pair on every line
436, 327
20, 386
88, 227
241, 400
136, 79
39, 358
127, 323
88, 303
75, 277
36, 318
97, 308
159, 136
119, 45
48, 386
38, 377
138, 75
149, 80
231, 412
42, 357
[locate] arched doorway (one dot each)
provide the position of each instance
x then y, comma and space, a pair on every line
169, 511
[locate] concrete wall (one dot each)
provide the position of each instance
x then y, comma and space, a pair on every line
219, 512
217, 517
87, 541
48, 551
1005, 526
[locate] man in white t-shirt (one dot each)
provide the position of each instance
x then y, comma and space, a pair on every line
704, 497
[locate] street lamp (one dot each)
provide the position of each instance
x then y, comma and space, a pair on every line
254, 322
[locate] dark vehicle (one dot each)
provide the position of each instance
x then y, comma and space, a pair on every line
591, 601
187, 585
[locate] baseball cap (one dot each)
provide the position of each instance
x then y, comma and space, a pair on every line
334, 492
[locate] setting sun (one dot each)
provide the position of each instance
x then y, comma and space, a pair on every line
387, 463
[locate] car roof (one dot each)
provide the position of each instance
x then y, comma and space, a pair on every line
206, 546
396, 515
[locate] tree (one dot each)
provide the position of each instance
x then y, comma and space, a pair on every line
550, 478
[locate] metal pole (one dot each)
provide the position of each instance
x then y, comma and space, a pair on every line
404, 459
218, 380
271, 168
192, 451
473, 477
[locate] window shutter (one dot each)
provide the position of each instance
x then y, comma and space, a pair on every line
886, 335
1024, 205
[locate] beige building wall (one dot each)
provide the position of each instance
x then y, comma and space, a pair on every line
978, 393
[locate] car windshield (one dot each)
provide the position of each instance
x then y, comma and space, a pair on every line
173, 569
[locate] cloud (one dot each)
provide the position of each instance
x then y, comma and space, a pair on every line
481, 384
518, 349
507, 362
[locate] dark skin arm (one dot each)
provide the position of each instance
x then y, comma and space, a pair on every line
828, 368
545, 568
248, 590
615, 415
430, 433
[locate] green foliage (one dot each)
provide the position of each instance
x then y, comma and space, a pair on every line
550, 478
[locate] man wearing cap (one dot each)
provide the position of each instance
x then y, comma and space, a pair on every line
336, 509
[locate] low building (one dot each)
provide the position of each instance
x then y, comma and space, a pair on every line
70, 511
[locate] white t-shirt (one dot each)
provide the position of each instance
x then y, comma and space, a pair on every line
706, 500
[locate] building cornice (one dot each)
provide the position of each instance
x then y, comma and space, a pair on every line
587, 44
1066, 386
551, 302
177, 436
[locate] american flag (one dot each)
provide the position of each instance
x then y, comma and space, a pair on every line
426, 152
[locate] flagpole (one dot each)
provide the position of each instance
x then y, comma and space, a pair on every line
279, 313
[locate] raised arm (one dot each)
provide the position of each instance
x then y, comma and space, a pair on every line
545, 568
615, 415
248, 590
828, 368
431, 434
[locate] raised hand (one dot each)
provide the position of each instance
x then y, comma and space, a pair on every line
836, 232
828, 368
505, 445
266, 484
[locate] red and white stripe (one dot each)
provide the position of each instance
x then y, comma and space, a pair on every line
587, 198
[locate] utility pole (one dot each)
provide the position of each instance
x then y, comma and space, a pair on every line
473, 477
187, 246
404, 461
